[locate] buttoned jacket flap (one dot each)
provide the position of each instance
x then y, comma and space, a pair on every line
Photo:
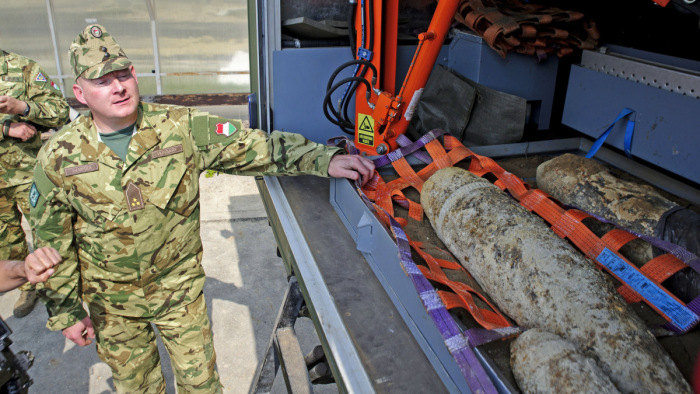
173, 184
94, 191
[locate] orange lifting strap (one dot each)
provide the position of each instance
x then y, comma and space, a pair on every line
460, 295
565, 223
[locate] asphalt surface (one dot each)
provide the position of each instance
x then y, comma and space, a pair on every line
245, 285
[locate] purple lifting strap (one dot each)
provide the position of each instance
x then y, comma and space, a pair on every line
402, 140
456, 342
409, 149
480, 336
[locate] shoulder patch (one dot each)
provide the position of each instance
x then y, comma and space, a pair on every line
211, 129
33, 195
41, 186
197, 124
40, 77
226, 129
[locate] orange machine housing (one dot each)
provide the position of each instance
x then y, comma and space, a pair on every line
387, 115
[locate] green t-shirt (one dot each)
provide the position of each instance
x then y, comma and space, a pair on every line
118, 141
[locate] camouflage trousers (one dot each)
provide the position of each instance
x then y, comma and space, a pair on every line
128, 346
13, 242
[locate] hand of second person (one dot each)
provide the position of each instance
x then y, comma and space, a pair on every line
11, 106
22, 131
352, 167
39, 265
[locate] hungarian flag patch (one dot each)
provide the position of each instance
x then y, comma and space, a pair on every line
225, 128
53, 84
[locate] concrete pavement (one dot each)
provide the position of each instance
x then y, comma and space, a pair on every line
245, 285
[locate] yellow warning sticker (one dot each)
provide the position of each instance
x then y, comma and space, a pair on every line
365, 130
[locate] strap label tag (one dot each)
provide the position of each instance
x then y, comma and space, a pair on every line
678, 313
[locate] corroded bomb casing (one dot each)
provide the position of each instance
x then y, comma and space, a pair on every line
541, 281
587, 184
542, 361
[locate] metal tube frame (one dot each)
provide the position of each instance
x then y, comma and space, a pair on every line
154, 37
54, 40
351, 376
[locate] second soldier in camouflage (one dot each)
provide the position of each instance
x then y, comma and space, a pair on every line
29, 104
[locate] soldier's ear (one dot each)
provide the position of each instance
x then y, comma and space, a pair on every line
78, 92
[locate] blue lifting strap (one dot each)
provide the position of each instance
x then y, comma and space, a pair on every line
629, 131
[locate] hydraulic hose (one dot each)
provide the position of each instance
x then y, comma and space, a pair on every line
344, 125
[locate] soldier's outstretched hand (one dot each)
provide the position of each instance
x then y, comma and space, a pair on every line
352, 167
81, 332
39, 265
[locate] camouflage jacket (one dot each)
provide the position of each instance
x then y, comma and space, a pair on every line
128, 230
24, 80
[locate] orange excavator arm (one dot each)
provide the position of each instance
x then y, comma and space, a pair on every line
382, 117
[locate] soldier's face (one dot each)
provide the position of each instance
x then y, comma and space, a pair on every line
112, 97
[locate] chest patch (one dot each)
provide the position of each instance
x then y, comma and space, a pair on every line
70, 171
134, 198
12, 79
166, 151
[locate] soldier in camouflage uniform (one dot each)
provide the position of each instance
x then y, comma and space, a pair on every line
124, 214
29, 103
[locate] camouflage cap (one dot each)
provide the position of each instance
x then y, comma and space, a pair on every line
94, 53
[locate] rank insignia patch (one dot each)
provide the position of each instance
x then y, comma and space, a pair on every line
33, 195
40, 78
134, 199
225, 128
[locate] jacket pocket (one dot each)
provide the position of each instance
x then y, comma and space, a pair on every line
92, 200
177, 187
